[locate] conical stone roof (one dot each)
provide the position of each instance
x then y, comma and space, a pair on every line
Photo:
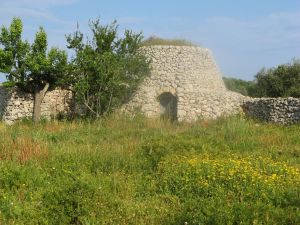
191, 76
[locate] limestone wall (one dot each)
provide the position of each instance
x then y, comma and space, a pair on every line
191, 75
15, 105
276, 110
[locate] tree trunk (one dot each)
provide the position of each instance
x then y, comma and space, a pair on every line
38, 99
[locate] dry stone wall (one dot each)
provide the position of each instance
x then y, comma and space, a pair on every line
191, 76
15, 104
275, 110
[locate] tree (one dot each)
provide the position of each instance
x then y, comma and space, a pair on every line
238, 85
31, 67
282, 81
107, 68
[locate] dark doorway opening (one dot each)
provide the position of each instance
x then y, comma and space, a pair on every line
168, 103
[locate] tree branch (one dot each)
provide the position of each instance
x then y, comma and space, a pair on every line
45, 89
90, 108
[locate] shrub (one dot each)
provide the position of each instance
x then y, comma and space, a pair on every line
107, 68
280, 81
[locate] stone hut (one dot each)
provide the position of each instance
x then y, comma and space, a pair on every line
185, 84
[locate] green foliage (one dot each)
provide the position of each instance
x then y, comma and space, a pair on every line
161, 41
238, 85
8, 84
282, 81
121, 170
29, 66
13, 51
106, 69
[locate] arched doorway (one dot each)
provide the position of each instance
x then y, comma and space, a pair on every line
168, 103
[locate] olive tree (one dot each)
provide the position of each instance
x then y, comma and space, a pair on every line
107, 68
31, 67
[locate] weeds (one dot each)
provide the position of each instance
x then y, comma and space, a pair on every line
160, 41
23, 149
122, 170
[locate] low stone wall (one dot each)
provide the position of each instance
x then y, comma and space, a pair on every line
15, 104
275, 110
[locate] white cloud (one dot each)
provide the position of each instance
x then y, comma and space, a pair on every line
243, 46
275, 30
35, 3
35, 9
36, 13
30, 13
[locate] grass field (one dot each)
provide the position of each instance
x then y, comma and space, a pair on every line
122, 170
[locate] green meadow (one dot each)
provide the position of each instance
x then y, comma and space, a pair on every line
134, 170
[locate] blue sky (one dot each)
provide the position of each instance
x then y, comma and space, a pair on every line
244, 35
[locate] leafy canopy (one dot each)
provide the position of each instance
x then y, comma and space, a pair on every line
30, 66
238, 85
107, 68
282, 81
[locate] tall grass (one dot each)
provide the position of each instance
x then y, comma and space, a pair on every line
123, 170
161, 41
